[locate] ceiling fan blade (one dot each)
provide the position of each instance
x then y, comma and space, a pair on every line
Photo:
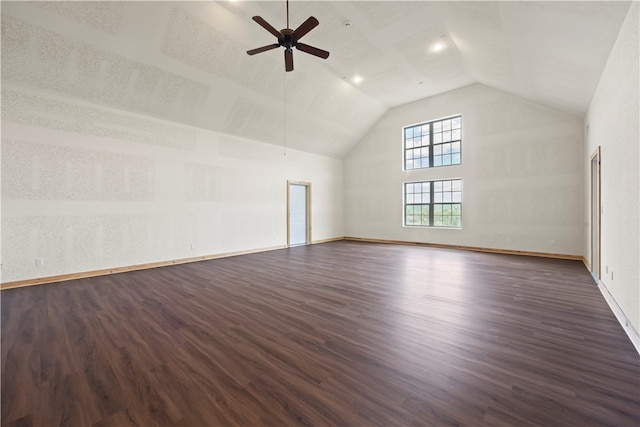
288, 60
305, 27
264, 24
263, 49
312, 50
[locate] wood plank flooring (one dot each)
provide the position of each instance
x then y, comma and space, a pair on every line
336, 334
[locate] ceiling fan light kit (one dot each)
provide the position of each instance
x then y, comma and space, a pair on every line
289, 39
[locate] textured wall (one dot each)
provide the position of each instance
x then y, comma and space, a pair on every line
614, 123
87, 187
521, 167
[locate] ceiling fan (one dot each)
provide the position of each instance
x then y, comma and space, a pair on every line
288, 39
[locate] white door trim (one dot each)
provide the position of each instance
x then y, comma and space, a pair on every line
308, 210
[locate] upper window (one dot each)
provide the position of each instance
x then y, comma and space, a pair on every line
432, 144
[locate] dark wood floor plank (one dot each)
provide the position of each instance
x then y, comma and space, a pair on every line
343, 333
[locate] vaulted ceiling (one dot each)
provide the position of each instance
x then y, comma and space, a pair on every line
186, 62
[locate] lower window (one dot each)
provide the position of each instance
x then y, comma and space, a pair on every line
433, 203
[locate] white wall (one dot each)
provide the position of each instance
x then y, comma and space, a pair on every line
87, 188
522, 170
613, 120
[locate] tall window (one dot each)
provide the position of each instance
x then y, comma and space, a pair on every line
432, 144
433, 203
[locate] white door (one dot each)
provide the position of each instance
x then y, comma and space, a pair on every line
298, 214
595, 215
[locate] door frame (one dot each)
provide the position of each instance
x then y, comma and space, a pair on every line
308, 209
595, 206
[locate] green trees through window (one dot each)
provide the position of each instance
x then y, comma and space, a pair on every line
433, 203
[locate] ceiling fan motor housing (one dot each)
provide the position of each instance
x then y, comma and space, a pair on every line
287, 40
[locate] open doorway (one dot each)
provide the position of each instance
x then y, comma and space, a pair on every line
298, 213
595, 215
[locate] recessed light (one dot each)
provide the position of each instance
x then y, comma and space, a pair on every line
357, 79
437, 47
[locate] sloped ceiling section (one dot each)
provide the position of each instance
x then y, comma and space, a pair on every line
186, 62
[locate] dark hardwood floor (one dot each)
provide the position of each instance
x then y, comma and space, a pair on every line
342, 333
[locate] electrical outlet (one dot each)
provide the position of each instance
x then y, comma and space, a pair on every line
39, 262
611, 274
193, 246
606, 269
553, 242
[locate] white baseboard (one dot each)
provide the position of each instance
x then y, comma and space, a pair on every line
626, 324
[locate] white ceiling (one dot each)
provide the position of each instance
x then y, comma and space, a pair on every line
186, 61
